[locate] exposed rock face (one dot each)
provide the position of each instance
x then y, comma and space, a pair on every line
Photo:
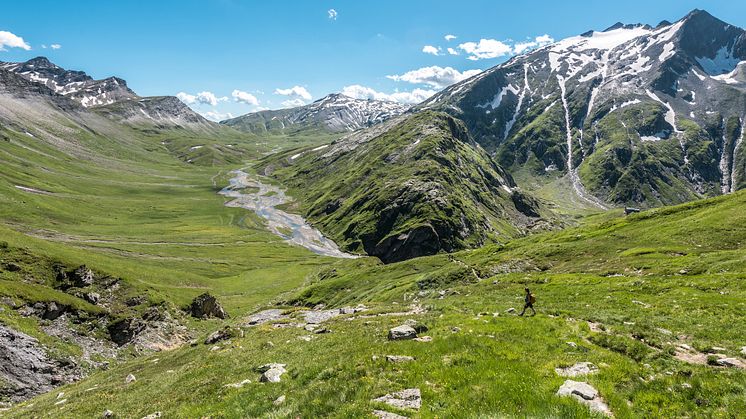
581, 368
83, 276
585, 394
124, 331
405, 399
222, 334
27, 368
206, 306
402, 333
265, 316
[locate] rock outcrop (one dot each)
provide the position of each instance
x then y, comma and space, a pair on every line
206, 306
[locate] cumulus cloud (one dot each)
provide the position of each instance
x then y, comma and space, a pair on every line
363, 92
449, 37
429, 49
204, 98
10, 40
245, 97
485, 48
295, 92
216, 116
292, 103
452, 51
55, 46
434, 76
332, 14
538, 42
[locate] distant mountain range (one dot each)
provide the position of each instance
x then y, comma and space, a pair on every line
334, 113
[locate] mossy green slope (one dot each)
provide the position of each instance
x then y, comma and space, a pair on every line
411, 187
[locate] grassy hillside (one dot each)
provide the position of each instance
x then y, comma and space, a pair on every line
412, 187
626, 291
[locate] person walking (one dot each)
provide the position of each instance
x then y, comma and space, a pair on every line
529, 302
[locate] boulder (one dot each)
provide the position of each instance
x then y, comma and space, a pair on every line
581, 368
124, 330
382, 414
405, 399
271, 372
403, 332
206, 306
83, 277
730, 363
586, 394
92, 297
53, 310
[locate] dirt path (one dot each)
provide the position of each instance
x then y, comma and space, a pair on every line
291, 227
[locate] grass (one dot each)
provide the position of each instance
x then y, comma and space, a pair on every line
625, 290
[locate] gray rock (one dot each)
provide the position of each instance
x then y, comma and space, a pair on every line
239, 384
53, 311
271, 372
26, 369
743, 351
83, 277
107, 413
729, 362
424, 339
130, 379
124, 330
265, 316
320, 316
280, 400
510, 310
153, 415
581, 368
397, 359
93, 297
405, 399
382, 414
206, 306
220, 335
586, 394
417, 326
402, 333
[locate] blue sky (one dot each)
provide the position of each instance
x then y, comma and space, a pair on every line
250, 55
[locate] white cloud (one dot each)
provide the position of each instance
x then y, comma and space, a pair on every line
332, 14
11, 40
245, 97
295, 92
44, 46
55, 46
293, 103
538, 42
205, 98
429, 49
452, 51
187, 98
450, 37
544, 39
434, 76
485, 48
216, 116
362, 92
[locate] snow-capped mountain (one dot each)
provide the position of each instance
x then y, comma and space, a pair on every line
76, 85
332, 113
110, 97
633, 114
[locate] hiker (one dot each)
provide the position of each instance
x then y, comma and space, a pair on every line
530, 300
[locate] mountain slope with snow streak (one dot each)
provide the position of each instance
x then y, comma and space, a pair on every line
633, 114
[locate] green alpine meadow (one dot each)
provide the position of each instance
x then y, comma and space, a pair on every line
312, 210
